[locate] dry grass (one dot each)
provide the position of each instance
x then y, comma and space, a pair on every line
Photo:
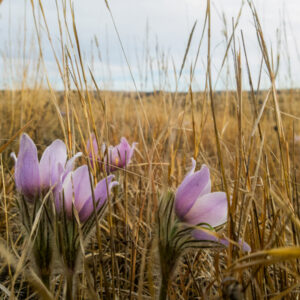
246, 138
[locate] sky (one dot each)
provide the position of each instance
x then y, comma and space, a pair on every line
154, 35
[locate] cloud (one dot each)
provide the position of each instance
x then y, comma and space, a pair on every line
156, 31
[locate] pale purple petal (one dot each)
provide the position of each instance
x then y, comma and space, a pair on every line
64, 192
100, 194
70, 164
64, 171
114, 158
245, 246
57, 193
27, 174
76, 185
94, 147
124, 151
202, 235
111, 156
14, 157
210, 208
82, 186
191, 171
103, 148
133, 146
193, 186
53, 157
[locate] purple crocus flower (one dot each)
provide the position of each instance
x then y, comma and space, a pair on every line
32, 176
114, 157
195, 204
77, 186
120, 155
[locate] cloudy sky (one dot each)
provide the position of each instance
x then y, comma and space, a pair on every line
154, 34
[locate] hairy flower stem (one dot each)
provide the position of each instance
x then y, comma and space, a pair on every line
168, 266
70, 284
168, 252
41, 254
164, 288
45, 277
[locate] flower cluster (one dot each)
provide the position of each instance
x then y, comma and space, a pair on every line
188, 218
74, 194
33, 177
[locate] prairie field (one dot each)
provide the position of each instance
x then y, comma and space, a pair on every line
249, 139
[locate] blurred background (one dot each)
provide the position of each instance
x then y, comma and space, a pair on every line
154, 35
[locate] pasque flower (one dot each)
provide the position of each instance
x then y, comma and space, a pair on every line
76, 188
115, 157
195, 204
197, 212
33, 179
119, 156
32, 176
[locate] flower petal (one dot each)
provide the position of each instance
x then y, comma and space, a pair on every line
82, 186
63, 174
191, 171
27, 174
14, 157
133, 146
193, 186
64, 192
125, 151
57, 193
210, 208
93, 148
70, 164
114, 158
53, 157
100, 194
111, 155
77, 185
202, 235
245, 246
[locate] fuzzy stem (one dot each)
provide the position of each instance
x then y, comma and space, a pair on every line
69, 282
164, 288
45, 276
